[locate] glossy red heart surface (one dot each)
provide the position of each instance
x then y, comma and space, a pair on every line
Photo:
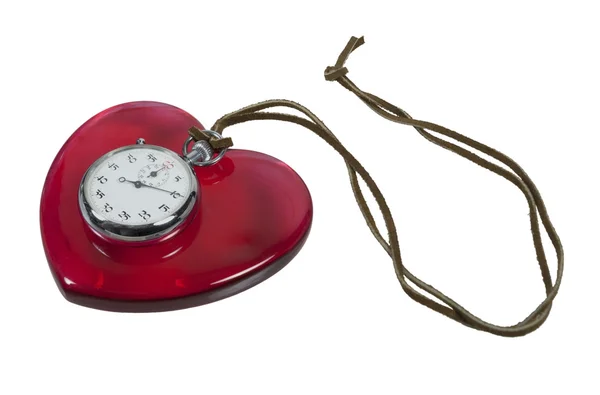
253, 216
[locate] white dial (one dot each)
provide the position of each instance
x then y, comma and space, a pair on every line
137, 186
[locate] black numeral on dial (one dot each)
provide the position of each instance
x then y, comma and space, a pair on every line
108, 208
151, 158
145, 216
131, 158
175, 194
100, 194
102, 179
164, 207
177, 178
113, 166
124, 216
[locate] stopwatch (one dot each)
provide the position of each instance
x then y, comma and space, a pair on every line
142, 192
137, 193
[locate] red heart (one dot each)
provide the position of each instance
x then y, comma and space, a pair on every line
253, 217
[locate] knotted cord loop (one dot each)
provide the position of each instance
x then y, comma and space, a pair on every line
518, 177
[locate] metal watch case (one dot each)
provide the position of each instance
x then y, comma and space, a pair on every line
138, 233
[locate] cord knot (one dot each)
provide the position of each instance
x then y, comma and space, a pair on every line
332, 73
215, 143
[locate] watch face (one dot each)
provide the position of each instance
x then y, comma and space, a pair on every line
137, 192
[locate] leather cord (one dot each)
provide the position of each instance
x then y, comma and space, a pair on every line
518, 177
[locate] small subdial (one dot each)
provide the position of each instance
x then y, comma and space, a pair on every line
154, 174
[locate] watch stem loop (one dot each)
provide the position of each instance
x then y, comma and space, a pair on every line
203, 151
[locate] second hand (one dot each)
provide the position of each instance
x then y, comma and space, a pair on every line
139, 184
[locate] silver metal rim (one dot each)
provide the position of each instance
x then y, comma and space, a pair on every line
135, 233
209, 162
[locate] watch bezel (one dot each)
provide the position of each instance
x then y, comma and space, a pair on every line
144, 232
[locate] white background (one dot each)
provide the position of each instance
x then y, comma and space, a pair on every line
519, 76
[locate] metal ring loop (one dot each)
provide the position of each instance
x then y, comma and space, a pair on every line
209, 162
